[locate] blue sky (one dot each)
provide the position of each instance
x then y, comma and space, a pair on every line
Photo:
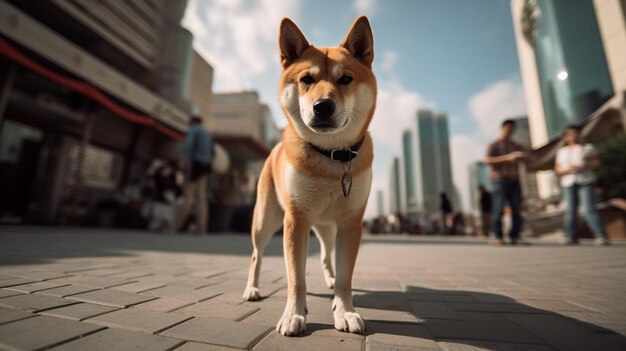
455, 56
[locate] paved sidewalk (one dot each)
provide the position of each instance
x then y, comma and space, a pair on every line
86, 289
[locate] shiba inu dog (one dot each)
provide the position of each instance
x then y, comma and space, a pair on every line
319, 176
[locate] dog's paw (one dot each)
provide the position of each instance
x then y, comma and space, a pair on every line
291, 324
251, 294
350, 322
330, 282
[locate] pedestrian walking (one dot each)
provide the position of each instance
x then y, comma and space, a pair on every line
446, 211
197, 159
504, 156
575, 163
485, 210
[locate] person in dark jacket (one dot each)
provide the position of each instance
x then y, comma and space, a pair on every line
485, 210
446, 210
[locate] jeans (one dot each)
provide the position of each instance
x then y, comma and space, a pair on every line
507, 190
585, 195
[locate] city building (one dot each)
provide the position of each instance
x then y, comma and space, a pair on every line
201, 88
395, 187
91, 93
434, 169
479, 174
571, 54
380, 203
409, 158
245, 127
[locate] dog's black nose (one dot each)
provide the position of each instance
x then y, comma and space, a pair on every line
324, 108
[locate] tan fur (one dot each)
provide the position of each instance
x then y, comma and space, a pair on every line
300, 188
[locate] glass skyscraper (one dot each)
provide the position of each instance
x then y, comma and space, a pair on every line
395, 187
572, 69
433, 159
408, 156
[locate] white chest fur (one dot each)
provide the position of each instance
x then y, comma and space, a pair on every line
321, 198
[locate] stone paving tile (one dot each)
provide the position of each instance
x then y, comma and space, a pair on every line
219, 331
43, 275
473, 345
493, 307
34, 302
11, 315
552, 329
444, 297
389, 335
391, 302
270, 312
387, 315
196, 346
113, 298
120, 340
138, 287
164, 304
480, 330
436, 310
97, 282
16, 281
276, 342
50, 331
139, 320
184, 293
34, 287
6, 293
555, 305
79, 311
221, 309
67, 290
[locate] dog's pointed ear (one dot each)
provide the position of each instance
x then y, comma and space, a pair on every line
291, 42
360, 41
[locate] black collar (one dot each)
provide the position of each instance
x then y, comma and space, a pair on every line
341, 155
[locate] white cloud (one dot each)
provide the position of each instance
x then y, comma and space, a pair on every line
496, 102
488, 107
237, 38
389, 60
366, 7
396, 108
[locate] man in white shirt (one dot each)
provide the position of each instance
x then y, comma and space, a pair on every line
575, 163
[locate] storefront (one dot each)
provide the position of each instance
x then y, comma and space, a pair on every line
75, 134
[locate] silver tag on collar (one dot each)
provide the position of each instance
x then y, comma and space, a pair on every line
346, 180
346, 184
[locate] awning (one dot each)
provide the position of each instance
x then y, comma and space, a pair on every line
609, 119
86, 90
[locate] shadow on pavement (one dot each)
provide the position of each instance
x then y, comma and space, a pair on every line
462, 319
28, 245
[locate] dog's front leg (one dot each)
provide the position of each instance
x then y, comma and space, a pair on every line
295, 242
347, 247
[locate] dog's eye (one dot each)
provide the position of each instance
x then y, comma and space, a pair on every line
307, 80
345, 80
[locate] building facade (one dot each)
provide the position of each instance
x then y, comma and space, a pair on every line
244, 125
571, 55
410, 181
395, 187
434, 172
479, 174
92, 92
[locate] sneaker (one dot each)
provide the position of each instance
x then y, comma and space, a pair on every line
602, 241
496, 242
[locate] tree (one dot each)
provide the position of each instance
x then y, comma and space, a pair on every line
612, 174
